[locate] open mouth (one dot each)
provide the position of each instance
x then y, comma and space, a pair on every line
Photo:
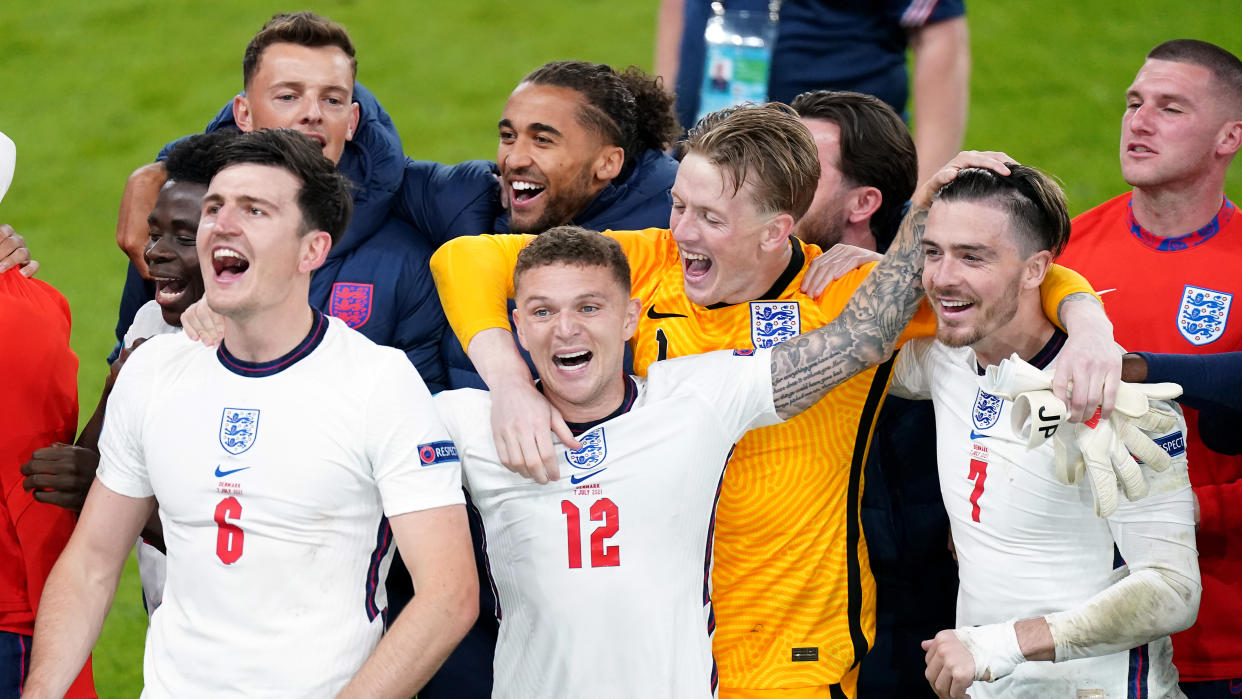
695, 266
952, 308
572, 360
522, 192
169, 290
228, 264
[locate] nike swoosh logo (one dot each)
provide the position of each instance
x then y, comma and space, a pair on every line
576, 479
977, 435
652, 314
222, 474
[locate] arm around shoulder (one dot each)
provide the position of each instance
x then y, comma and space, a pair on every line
474, 277
141, 190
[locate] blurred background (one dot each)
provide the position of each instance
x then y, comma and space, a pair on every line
91, 90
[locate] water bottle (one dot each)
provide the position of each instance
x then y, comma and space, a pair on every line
738, 57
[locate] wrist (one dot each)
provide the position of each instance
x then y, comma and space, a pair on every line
1133, 368
994, 647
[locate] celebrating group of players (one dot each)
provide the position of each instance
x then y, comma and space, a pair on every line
681, 519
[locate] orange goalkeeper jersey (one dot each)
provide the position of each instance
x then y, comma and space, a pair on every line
793, 595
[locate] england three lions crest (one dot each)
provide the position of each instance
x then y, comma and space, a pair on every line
589, 457
773, 322
239, 428
987, 409
1203, 314
351, 303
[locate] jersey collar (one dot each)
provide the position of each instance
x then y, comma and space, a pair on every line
1181, 242
627, 402
791, 270
1045, 355
319, 328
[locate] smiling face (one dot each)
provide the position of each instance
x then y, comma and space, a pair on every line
1173, 125
251, 247
574, 320
727, 246
973, 272
171, 253
551, 166
308, 89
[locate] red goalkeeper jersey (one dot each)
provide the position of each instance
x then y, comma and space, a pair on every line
1178, 295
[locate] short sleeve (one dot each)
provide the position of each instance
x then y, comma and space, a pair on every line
910, 371
735, 384
918, 13
122, 459
414, 461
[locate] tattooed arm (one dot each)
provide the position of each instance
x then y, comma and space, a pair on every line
806, 367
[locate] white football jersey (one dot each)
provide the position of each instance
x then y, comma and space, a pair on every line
1028, 545
273, 482
149, 322
602, 577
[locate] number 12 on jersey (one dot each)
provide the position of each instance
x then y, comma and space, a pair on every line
602, 555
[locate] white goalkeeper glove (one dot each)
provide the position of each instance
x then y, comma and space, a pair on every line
1104, 449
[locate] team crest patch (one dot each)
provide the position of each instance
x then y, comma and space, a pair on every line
773, 322
351, 302
1203, 314
239, 428
987, 409
590, 456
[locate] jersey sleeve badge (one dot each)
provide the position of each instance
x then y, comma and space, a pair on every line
434, 453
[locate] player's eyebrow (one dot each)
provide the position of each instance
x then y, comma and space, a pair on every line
537, 126
1159, 97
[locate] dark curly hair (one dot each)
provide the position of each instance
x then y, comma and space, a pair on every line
629, 109
192, 158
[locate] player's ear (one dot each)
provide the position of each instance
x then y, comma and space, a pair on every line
241, 113
776, 232
1231, 138
633, 310
608, 163
314, 250
864, 202
518, 327
1036, 269
353, 121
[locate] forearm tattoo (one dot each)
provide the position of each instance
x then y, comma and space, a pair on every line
806, 367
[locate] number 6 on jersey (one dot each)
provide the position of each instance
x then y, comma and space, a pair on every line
229, 537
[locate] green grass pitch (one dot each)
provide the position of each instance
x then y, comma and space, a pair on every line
93, 89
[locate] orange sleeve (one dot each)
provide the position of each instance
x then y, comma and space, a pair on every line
1059, 283
650, 252
474, 277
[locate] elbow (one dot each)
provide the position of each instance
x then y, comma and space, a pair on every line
1188, 609
464, 609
